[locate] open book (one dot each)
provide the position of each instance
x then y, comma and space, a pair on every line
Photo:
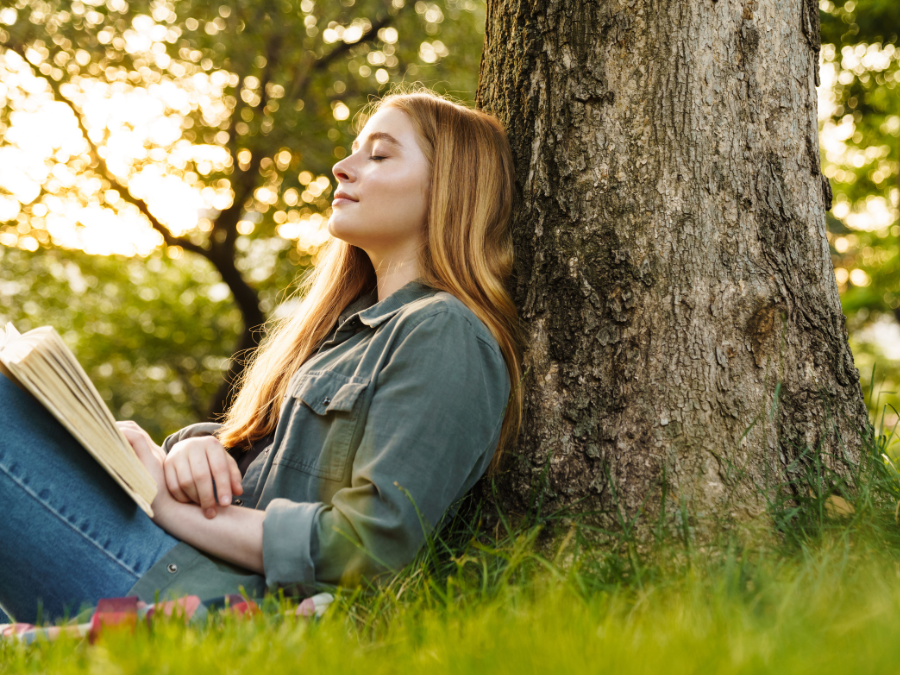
41, 364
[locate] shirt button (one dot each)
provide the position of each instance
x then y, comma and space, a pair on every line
238, 502
172, 568
326, 401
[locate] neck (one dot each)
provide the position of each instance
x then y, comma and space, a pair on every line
394, 271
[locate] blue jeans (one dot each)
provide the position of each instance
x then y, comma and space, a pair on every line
69, 535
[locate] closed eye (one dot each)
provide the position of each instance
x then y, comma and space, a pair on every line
377, 158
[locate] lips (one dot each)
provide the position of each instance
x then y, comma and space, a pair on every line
343, 195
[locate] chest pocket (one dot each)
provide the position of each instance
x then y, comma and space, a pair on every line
325, 412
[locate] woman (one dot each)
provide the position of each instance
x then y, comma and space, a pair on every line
386, 396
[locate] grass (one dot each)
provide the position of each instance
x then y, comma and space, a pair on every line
808, 590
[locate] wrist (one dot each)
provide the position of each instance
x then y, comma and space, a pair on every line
163, 505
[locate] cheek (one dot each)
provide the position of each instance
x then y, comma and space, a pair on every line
403, 197
411, 205
413, 196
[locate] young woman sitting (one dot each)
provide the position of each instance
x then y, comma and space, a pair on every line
386, 395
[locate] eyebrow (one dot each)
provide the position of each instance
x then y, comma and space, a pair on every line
378, 136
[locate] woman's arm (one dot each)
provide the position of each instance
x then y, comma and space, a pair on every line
235, 535
431, 428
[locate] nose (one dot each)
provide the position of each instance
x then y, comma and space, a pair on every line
343, 171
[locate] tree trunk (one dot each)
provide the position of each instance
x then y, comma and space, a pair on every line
247, 300
672, 271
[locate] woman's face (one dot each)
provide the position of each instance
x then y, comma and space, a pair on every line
382, 197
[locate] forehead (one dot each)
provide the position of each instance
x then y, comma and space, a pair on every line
388, 124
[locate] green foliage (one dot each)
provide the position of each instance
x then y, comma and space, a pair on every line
153, 335
860, 42
861, 155
846, 21
272, 84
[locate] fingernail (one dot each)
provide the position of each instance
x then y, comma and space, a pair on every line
210, 513
225, 500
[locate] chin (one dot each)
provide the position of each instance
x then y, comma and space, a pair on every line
330, 227
343, 232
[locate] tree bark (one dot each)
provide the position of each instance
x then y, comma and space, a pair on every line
247, 300
672, 265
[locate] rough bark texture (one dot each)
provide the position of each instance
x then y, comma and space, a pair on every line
672, 263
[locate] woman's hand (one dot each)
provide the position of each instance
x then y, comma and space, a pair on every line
152, 457
237, 536
192, 466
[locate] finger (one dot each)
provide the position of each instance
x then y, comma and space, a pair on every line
126, 430
184, 446
141, 442
172, 482
237, 480
185, 478
133, 427
137, 441
203, 480
177, 448
234, 473
159, 452
221, 474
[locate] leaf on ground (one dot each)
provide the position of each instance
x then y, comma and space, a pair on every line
837, 507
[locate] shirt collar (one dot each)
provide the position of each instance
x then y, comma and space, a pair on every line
382, 311
362, 302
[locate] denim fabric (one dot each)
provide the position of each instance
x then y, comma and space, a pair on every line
69, 535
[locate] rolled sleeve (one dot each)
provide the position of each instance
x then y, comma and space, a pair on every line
191, 431
432, 427
287, 540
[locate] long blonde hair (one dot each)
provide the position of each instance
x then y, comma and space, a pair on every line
468, 253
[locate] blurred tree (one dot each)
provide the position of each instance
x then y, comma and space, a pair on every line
860, 132
238, 109
160, 339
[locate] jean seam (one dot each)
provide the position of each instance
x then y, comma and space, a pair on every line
60, 517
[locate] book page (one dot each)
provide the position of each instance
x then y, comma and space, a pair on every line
81, 387
9, 334
41, 363
93, 412
72, 414
88, 432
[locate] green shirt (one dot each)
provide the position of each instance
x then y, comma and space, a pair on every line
405, 394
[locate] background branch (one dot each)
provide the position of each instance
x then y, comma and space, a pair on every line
168, 237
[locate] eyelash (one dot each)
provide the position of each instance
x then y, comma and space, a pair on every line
377, 158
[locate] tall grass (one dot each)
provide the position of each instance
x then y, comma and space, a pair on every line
813, 587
